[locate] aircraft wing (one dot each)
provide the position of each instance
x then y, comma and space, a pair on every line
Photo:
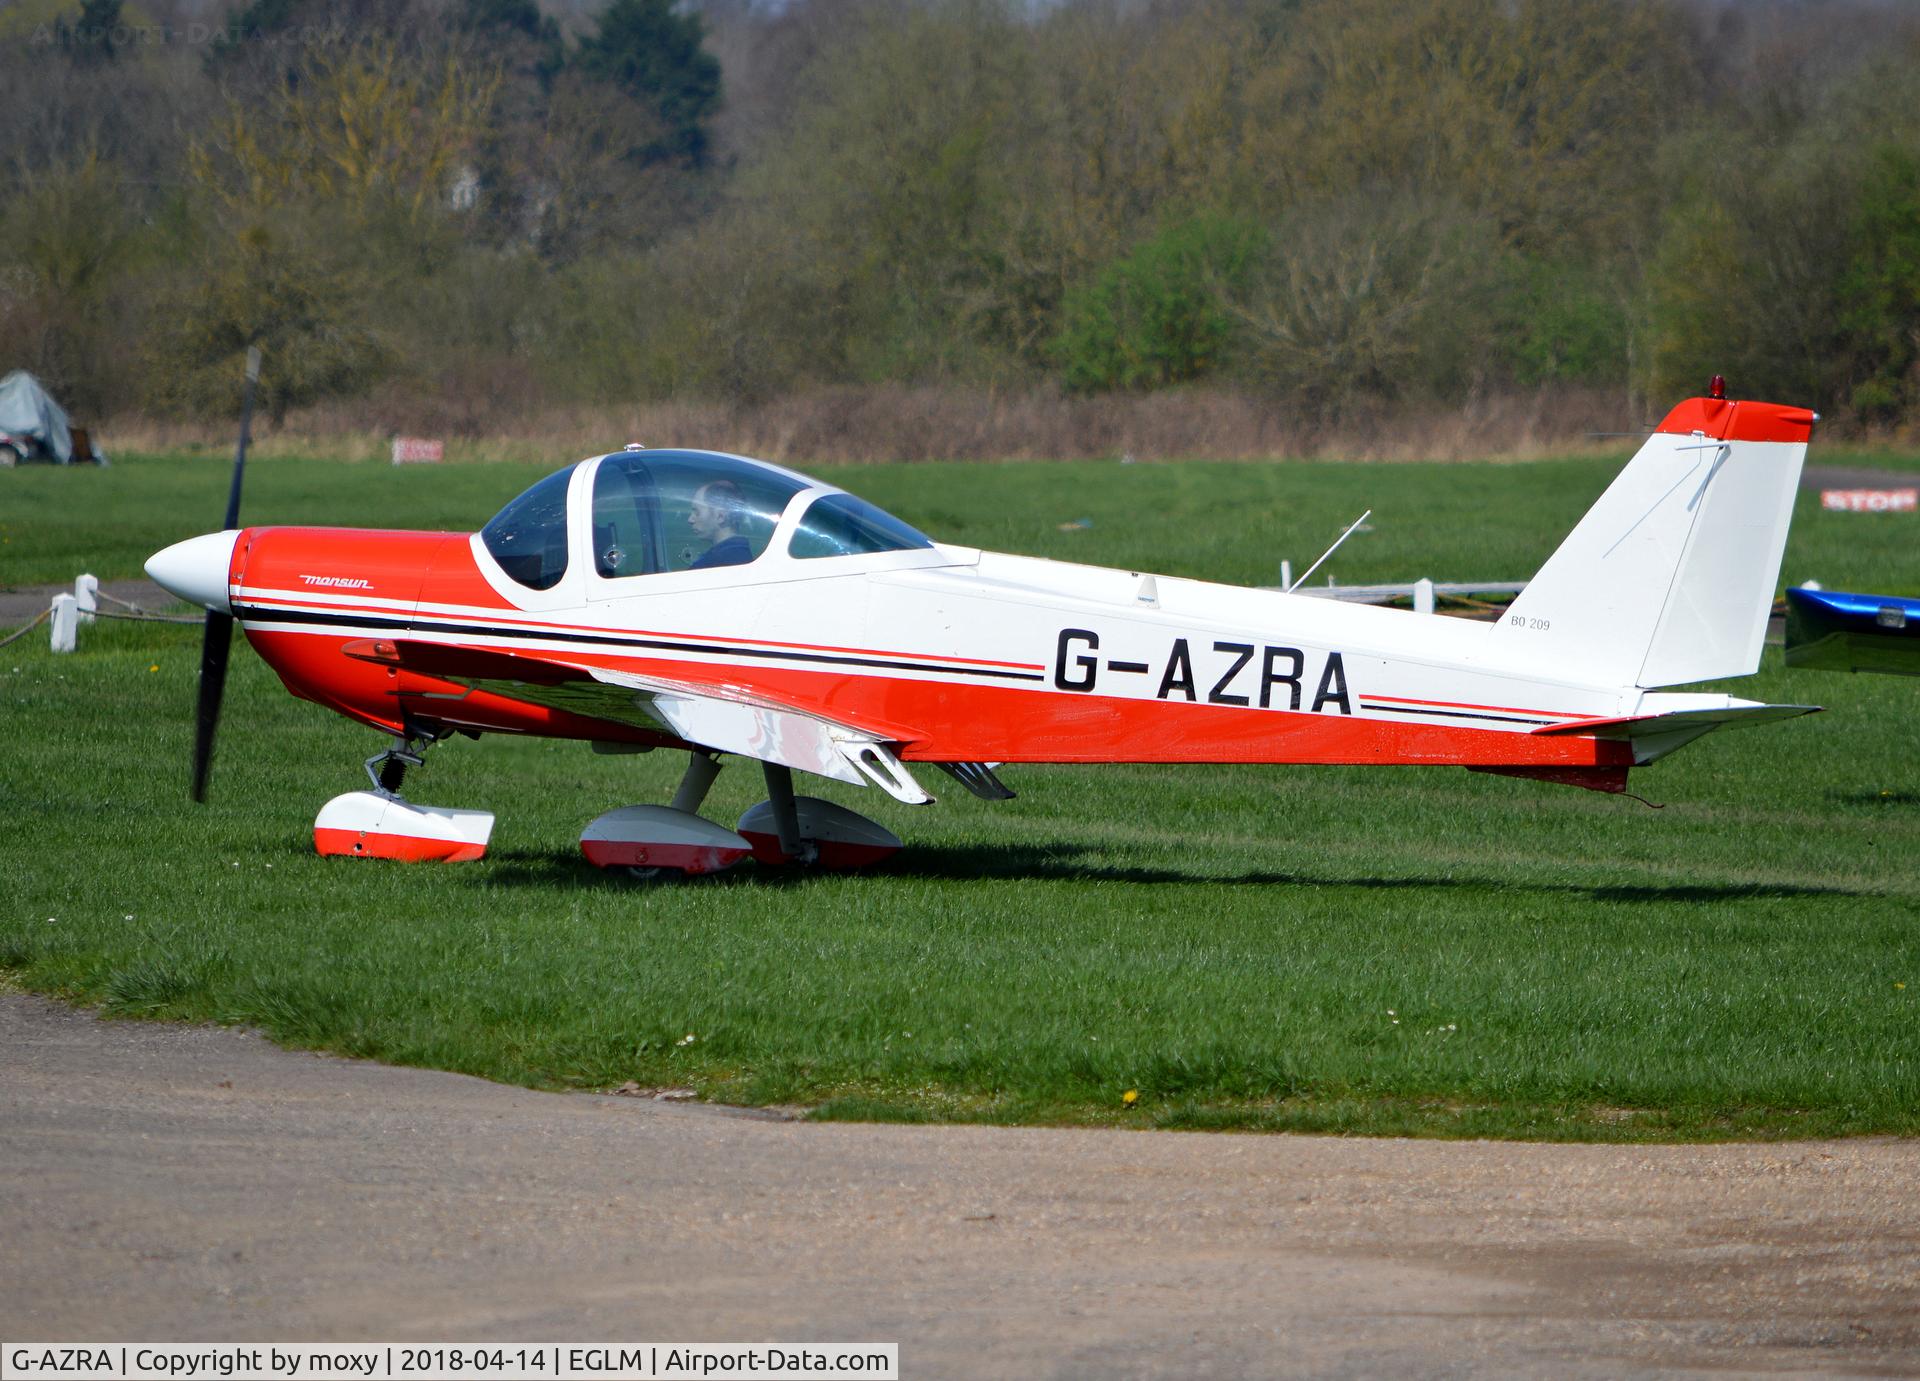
727, 719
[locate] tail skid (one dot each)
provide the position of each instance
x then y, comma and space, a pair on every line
1670, 576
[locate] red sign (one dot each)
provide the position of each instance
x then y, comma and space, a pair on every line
1870, 500
414, 450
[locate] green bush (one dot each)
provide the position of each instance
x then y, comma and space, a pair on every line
1377, 296
277, 285
1159, 316
1880, 288
1567, 323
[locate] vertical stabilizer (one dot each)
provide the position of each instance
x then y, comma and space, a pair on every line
1670, 576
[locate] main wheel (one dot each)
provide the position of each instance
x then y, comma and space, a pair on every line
643, 873
839, 838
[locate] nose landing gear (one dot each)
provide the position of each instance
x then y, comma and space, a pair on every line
382, 824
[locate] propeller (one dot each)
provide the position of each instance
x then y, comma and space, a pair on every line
218, 638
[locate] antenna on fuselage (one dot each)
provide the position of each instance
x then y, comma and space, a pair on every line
1351, 529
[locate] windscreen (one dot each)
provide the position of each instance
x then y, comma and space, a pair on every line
529, 536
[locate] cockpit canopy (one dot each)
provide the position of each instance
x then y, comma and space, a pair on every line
658, 512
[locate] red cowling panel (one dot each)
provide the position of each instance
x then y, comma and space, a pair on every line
360, 563
1749, 421
455, 579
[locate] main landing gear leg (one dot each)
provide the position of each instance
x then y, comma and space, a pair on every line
786, 816
651, 842
805, 830
382, 824
696, 782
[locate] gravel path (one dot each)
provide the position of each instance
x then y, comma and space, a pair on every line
172, 1183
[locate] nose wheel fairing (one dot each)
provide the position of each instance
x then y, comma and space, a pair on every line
379, 824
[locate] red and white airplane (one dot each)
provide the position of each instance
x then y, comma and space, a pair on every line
718, 605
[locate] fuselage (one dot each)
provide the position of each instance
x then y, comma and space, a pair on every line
953, 654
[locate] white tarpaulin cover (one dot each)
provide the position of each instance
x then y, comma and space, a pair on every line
26, 409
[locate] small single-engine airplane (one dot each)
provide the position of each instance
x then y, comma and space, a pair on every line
719, 605
1833, 630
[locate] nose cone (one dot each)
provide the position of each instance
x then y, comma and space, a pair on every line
196, 569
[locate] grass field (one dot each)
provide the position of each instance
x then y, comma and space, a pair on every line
1422, 951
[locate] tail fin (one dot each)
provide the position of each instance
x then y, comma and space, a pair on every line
1670, 576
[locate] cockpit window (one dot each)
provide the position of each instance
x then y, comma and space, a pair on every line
659, 511
529, 536
842, 525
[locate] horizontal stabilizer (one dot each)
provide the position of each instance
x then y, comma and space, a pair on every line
1654, 735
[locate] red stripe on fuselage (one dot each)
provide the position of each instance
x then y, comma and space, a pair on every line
942, 721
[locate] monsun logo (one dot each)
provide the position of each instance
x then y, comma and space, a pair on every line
338, 582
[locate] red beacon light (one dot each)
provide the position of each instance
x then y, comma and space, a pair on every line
1717, 388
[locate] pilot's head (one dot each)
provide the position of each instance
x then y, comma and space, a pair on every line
716, 510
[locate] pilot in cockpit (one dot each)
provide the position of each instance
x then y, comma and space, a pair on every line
716, 516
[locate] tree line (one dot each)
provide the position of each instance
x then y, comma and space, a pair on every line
1331, 205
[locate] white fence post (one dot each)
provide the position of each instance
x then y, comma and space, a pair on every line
1423, 596
66, 619
86, 593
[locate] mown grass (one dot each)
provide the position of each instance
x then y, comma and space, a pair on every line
1418, 951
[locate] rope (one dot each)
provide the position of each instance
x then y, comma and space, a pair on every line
139, 610
46, 614
19, 633
145, 618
